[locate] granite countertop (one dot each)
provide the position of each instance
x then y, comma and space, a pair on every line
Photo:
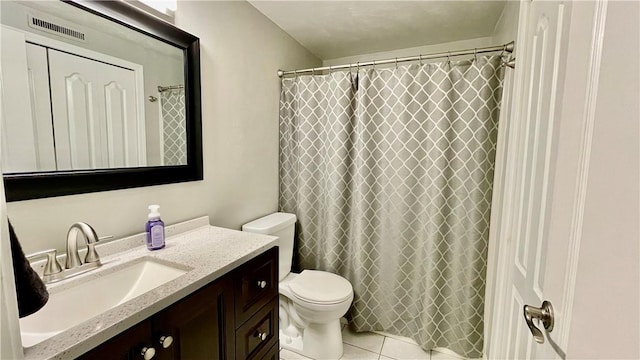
207, 252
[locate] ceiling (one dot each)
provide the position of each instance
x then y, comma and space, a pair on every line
334, 29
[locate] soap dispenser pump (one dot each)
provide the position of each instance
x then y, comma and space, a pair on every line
155, 229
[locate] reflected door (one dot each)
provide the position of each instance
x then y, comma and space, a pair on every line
22, 147
94, 114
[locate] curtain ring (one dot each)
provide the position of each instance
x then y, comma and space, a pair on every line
420, 59
295, 73
475, 53
449, 57
374, 64
396, 63
358, 66
330, 69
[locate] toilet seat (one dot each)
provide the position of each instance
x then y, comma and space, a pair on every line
321, 287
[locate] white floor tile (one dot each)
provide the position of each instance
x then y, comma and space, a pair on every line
365, 340
405, 339
373, 346
401, 350
290, 355
355, 353
445, 354
435, 355
397, 337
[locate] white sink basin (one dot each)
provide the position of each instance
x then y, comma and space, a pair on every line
93, 296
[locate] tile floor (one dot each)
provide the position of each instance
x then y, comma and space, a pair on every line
372, 346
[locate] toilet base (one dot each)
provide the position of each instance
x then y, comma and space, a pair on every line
319, 341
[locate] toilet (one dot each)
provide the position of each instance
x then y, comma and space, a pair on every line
312, 302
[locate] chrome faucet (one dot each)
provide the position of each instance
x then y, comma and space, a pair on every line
73, 265
73, 257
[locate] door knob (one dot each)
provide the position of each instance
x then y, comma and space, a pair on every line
544, 314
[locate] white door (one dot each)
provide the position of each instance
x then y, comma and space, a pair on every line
533, 171
559, 53
28, 133
38, 71
542, 44
18, 141
94, 114
10, 343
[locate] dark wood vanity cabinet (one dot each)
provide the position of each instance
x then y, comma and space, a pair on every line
234, 317
200, 325
124, 345
256, 306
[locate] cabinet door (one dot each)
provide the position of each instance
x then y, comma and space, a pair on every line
201, 325
124, 346
273, 353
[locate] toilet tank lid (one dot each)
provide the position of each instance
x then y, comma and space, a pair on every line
270, 224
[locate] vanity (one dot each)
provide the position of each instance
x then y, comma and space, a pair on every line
222, 302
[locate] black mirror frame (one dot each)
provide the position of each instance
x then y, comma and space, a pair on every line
25, 186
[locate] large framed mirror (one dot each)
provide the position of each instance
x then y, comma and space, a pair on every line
102, 96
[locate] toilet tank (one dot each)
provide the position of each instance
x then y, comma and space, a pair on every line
283, 226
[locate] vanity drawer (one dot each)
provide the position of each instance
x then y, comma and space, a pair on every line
256, 283
256, 337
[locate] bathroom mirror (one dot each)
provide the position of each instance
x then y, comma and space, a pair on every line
104, 97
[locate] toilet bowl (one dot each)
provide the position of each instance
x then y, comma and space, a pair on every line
312, 302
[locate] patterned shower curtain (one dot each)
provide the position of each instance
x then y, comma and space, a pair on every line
390, 173
174, 127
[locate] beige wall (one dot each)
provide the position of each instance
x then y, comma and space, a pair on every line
506, 28
606, 310
427, 49
241, 51
505, 31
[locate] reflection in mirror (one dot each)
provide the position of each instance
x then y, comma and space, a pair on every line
91, 94
102, 97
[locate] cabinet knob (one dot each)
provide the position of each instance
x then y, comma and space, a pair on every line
166, 341
262, 284
262, 336
148, 353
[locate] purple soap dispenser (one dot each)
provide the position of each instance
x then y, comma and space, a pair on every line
155, 229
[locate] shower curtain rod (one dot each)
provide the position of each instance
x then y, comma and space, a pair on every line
172, 87
508, 47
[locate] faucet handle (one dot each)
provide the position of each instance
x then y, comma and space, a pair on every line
92, 238
92, 254
52, 266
